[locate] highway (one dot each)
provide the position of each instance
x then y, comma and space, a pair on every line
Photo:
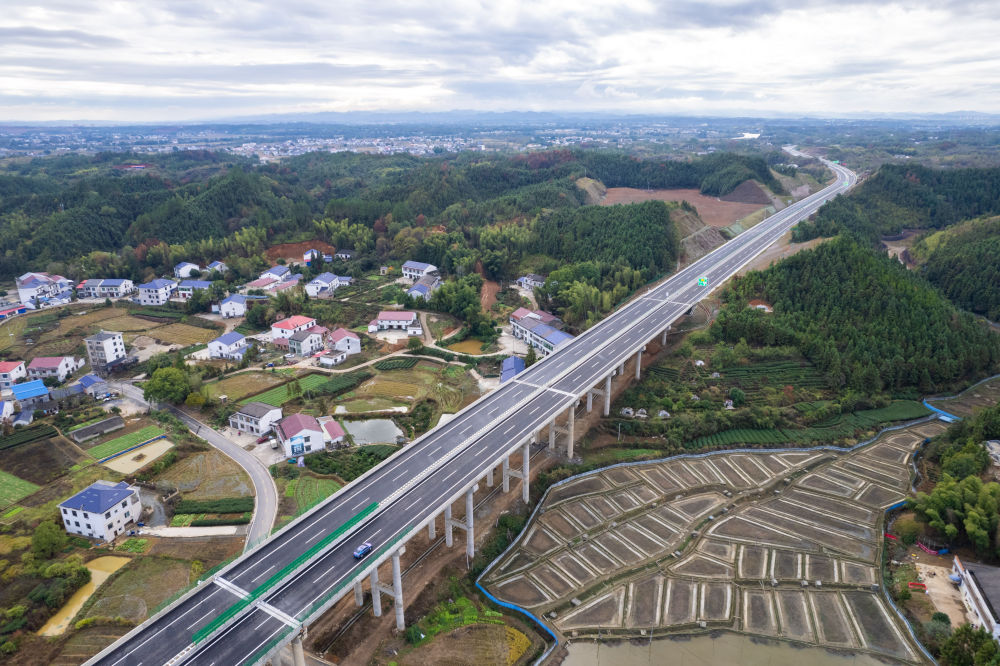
435, 469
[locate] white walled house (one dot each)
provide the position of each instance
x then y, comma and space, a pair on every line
105, 350
231, 345
424, 287
185, 269
306, 342
396, 320
300, 434
237, 305
59, 367
980, 588
538, 328
10, 372
105, 288
325, 284
157, 292
414, 270
102, 510
530, 281
41, 286
286, 328
255, 418
186, 288
277, 272
346, 341
217, 266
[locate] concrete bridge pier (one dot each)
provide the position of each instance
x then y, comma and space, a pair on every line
638, 363
663, 337
607, 395
523, 474
447, 526
505, 474
468, 525
298, 655
432, 528
376, 597
359, 594
489, 477
397, 589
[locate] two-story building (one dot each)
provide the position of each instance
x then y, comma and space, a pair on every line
308, 341
255, 418
41, 287
30, 393
414, 270
325, 284
346, 341
217, 266
530, 281
288, 327
230, 345
102, 510
396, 320
980, 588
277, 272
186, 269
186, 288
10, 372
157, 292
300, 434
424, 287
59, 367
105, 350
237, 305
539, 329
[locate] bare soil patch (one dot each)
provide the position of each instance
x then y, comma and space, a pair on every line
296, 250
41, 461
748, 192
713, 211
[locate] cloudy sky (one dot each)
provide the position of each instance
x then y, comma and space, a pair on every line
162, 60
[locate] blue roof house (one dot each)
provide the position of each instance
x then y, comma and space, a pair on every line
102, 510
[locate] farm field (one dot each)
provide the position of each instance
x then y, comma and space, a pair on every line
133, 461
123, 442
207, 475
183, 334
448, 386
309, 489
314, 383
243, 384
139, 587
42, 460
971, 400
13, 489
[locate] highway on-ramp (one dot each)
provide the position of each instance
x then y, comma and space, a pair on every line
434, 470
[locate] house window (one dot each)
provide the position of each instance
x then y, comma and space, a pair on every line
74, 514
109, 526
64, 510
123, 504
76, 522
107, 515
88, 526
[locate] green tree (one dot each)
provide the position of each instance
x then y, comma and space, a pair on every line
531, 357
167, 384
414, 344
48, 539
968, 646
737, 396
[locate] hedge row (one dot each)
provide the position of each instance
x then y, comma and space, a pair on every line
225, 505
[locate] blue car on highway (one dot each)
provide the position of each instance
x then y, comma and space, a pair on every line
362, 550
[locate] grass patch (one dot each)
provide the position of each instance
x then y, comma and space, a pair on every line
398, 363
308, 490
139, 587
310, 384
243, 384
349, 464
13, 512
13, 489
137, 546
224, 505
184, 334
119, 444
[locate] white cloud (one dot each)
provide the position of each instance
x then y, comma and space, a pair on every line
199, 59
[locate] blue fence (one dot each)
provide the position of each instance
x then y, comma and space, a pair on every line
941, 412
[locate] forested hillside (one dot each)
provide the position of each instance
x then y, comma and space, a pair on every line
907, 197
136, 215
864, 320
964, 263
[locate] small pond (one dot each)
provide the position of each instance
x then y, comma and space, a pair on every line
100, 570
467, 346
373, 431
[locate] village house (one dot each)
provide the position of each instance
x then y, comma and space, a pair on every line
310, 254
59, 367
186, 288
30, 393
332, 358
287, 327
530, 281
424, 287
10, 372
980, 588
325, 284
510, 367
306, 342
237, 304
333, 433
93, 386
277, 272
43, 288
157, 292
414, 270
263, 282
7, 313
255, 418
346, 341
105, 350
396, 320
539, 329
105, 288
344, 255
186, 269
217, 266
231, 345
102, 510
300, 434
6, 411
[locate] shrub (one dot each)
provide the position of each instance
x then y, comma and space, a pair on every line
225, 505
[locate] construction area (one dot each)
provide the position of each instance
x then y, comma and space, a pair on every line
776, 544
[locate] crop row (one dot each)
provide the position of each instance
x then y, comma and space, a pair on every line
224, 505
25, 435
399, 363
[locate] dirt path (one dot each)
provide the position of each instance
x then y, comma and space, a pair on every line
488, 294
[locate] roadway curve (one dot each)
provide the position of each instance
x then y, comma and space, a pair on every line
266, 493
436, 469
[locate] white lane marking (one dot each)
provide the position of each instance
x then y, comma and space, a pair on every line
264, 573
191, 626
309, 540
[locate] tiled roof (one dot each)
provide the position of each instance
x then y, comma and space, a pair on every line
89, 380
230, 338
98, 497
31, 389
333, 429
417, 265
46, 362
195, 284
293, 322
9, 366
159, 283
257, 410
393, 315
296, 423
341, 333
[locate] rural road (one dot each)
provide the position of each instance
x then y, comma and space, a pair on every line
266, 508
